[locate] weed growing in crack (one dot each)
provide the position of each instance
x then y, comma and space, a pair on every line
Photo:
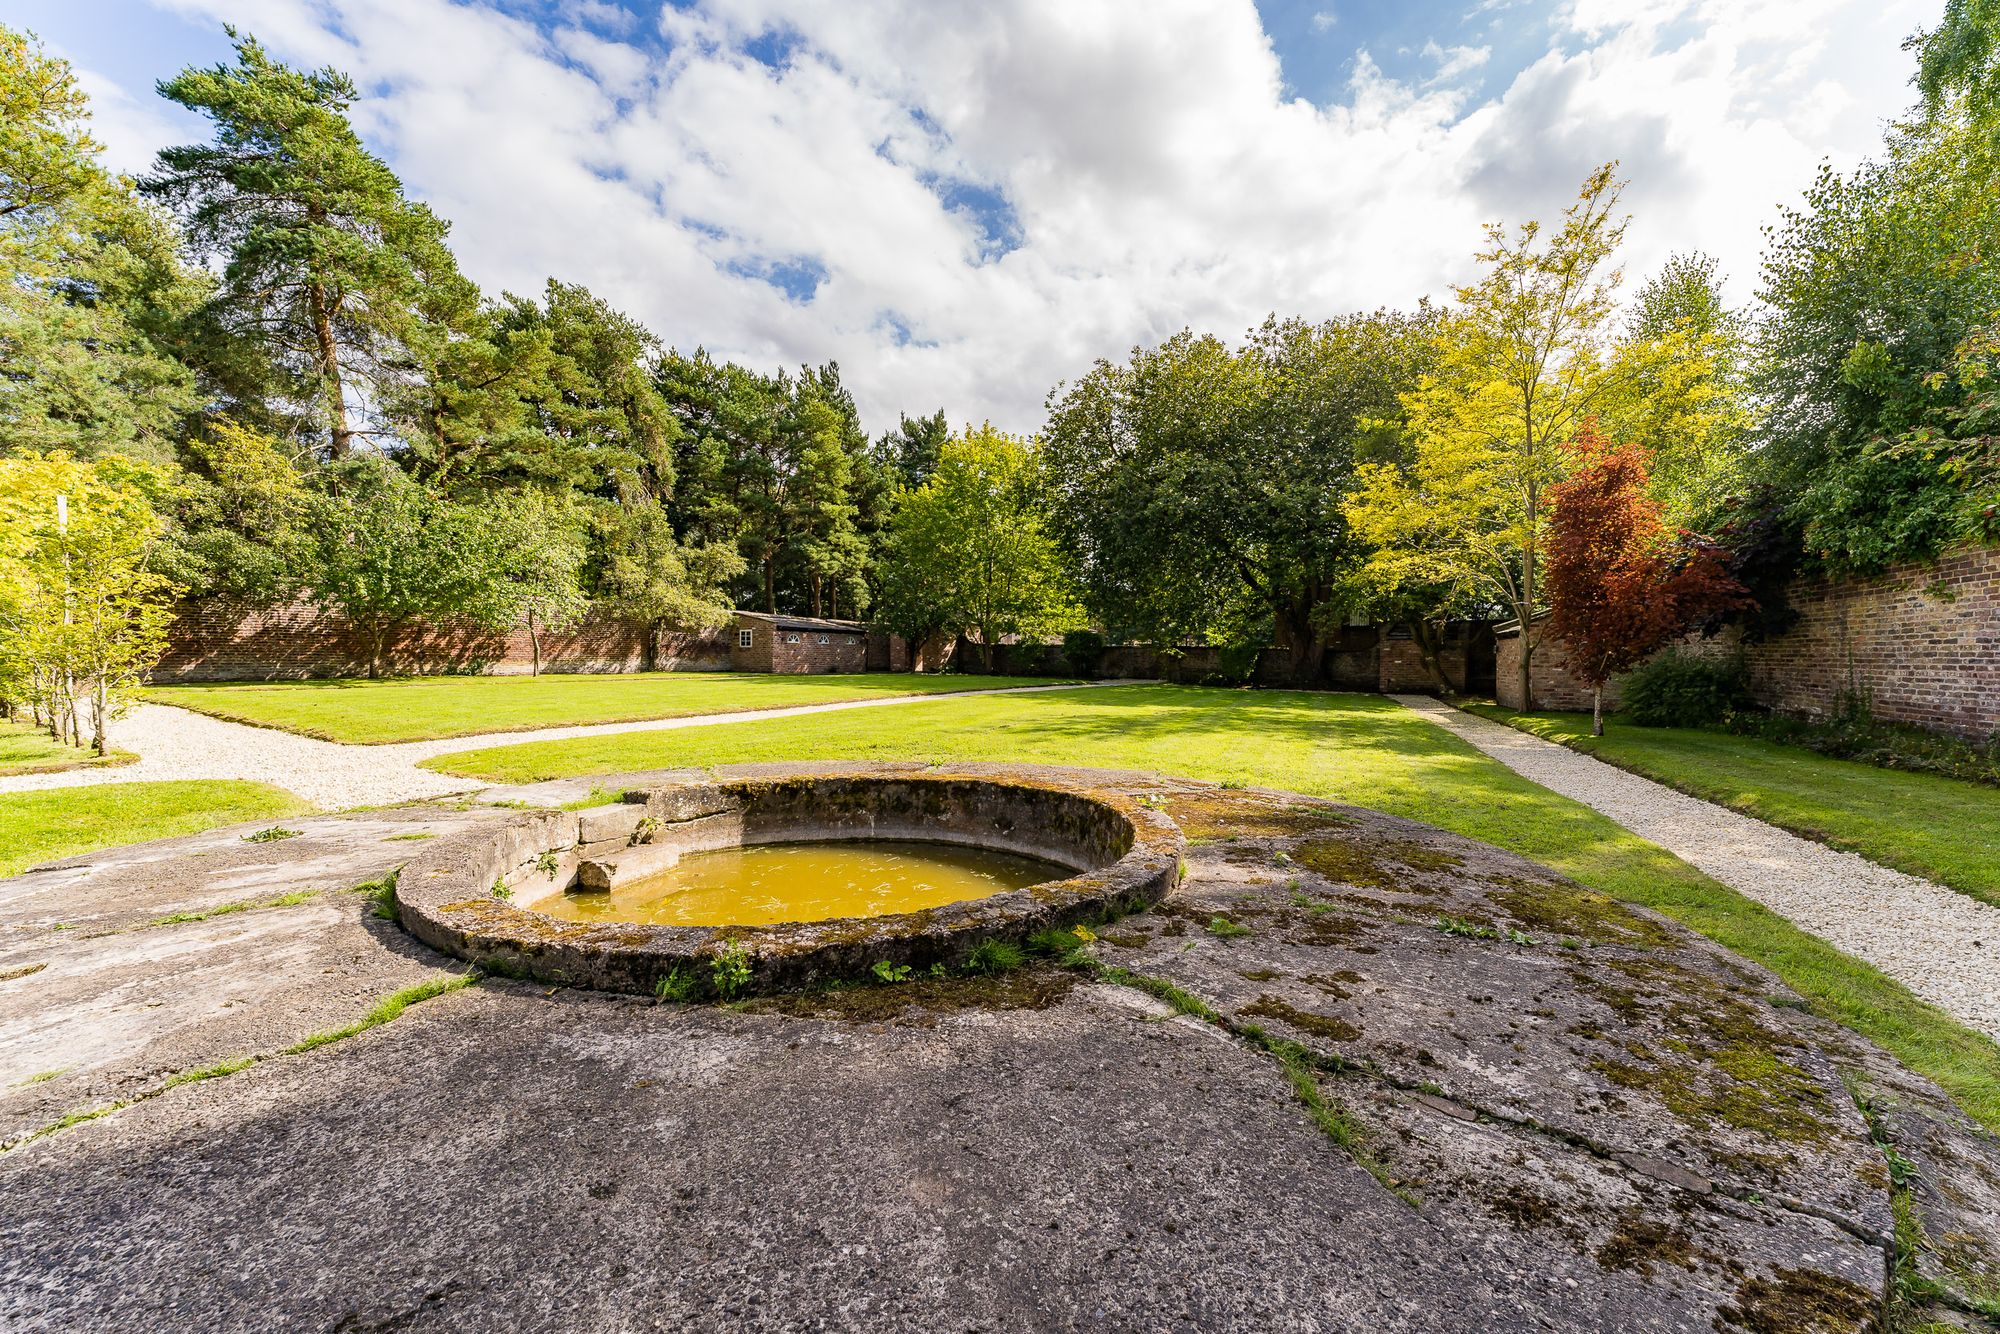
890, 972
549, 862
730, 970
274, 834
381, 896
677, 986
1460, 926
992, 957
1228, 930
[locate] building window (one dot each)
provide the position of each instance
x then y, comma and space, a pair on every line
744, 638
822, 639
791, 639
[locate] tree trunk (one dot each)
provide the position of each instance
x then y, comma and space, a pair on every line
1597, 710
649, 647
1429, 636
341, 433
100, 705
815, 592
1527, 608
534, 644
770, 585
1308, 648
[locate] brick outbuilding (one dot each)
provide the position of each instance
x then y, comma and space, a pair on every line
797, 644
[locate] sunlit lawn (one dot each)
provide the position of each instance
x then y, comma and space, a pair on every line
419, 708
58, 822
1941, 828
1355, 748
25, 750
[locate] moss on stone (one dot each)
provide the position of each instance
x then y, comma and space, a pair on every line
1640, 1244
1564, 908
1375, 863
1799, 1301
1331, 1027
1219, 815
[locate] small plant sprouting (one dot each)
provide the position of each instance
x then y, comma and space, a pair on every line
381, 896
890, 972
937, 970
643, 831
1461, 926
1282, 858
274, 834
677, 986
1570, 943
549, 863
994, 956
1519, 937
502, 890
1228, 930
1066, 947
731, 970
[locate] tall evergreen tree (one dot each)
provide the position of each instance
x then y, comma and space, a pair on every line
338, 279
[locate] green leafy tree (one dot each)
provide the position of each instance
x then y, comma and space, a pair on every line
341, 283
538, 541
1201, 489
910, 452
1523, 360
386, 551
970, 551
645, 574
1870, 288
96, 285
83, 613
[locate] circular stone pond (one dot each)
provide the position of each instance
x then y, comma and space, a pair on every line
776, 883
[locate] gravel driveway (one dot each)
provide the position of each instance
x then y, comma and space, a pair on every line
1942, 945
175, 744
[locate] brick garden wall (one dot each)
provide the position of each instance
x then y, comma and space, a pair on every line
1921, 643
213, 640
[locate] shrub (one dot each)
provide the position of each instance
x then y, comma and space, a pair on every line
1675, 690
1085, 651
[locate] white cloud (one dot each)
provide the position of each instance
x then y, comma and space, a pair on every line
1456, 60
1157, 171
1323, 20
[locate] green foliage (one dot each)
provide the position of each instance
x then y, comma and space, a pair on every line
1522, 362
329, 272
1873, 288
1681, 690
381, 896
729, 970
1222, 926
679, 986
890, 973
275, 834
970, 552
1084, 651
994, 956
83, 613
95, 287
1202, 489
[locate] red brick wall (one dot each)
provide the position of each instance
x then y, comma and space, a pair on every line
213, 640
1548, 675
1921, 643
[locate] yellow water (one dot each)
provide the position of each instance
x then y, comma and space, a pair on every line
805, 882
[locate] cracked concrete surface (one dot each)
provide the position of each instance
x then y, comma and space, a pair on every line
1594, 1119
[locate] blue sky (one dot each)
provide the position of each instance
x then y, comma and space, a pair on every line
964, 201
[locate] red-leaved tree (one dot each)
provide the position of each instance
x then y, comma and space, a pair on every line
1621, 583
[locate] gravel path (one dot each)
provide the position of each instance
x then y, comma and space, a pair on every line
1942, 945
175, 743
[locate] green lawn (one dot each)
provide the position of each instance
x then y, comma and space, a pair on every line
25, 749
41, 826
422, 707
1356, 748
1940, 828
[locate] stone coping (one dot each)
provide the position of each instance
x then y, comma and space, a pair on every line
472, 895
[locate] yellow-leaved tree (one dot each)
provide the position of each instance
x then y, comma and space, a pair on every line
83, 615
1525, 357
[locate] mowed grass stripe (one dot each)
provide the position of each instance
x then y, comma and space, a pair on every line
431, 707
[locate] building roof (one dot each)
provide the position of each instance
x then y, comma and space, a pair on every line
804, 622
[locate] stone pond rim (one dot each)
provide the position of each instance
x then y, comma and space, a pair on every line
473, 895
